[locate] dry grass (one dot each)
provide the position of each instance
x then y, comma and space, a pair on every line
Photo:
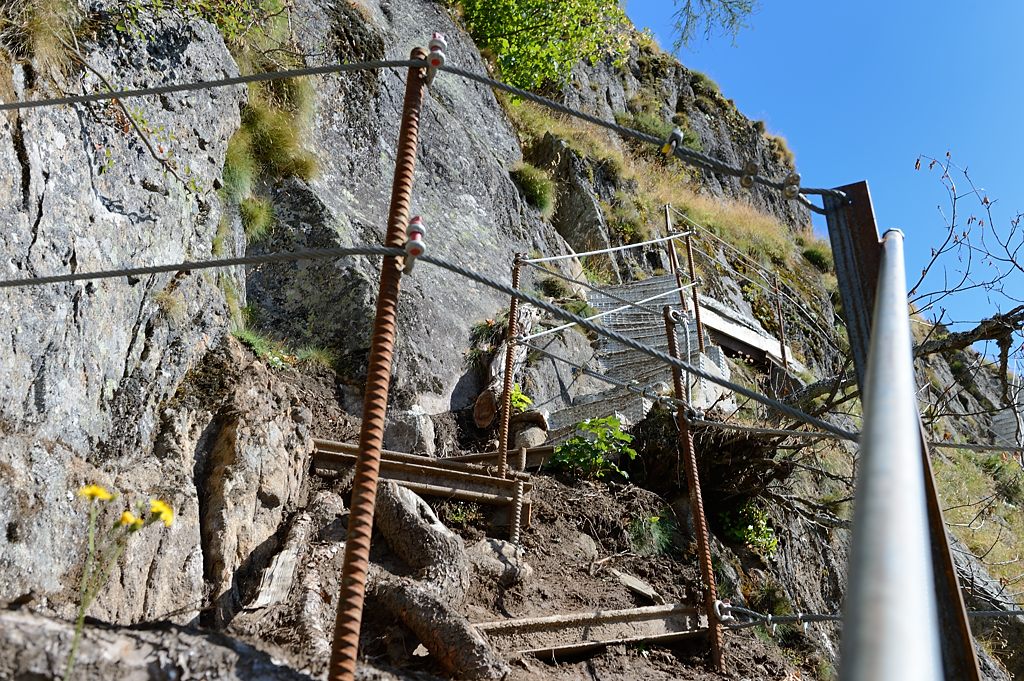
38, 30
739, 223
993, 531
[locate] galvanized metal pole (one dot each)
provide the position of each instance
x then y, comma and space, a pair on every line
707, 571
696, 295
673, 259
510, 350
378, 382
855, 245
891, 562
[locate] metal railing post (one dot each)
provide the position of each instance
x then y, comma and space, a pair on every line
891, 558
781, 326
695, 293
349, 618
707, 572
510, 350
673, 258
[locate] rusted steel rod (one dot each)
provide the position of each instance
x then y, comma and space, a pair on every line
673, 260
696, 295
510, 352
782, 326
707, 572
378, 382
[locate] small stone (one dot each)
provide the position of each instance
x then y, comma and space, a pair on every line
500, 560
531, 437
411, 432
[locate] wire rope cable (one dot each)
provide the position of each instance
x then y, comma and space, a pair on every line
210, 84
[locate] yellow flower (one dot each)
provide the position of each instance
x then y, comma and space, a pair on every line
93, 492
162, 511
129, 520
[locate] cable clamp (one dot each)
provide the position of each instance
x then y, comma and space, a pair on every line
723, 611
436, 58
672, 142
747, 174
791, 186
414, 246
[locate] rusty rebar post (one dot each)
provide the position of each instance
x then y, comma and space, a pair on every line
782, 326
673, 259
696, 295
510, 352
696, 501
378, 382
516, 519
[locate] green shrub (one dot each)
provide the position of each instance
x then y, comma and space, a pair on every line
703, 84
819, 254
484, 339
749, 526
537, 42
257, 218
593, 453
537, 187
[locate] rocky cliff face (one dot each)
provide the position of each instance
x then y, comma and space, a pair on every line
135, 383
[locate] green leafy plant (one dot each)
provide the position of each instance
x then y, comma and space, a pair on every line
102, 552
592, 453
749, 525
536, 42
518, 400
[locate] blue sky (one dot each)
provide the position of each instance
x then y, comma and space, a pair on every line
860, 89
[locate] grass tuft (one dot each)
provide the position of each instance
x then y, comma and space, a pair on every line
819, 254
38, 30
317, 356
171, 304
537, 187
275, 144
240, 167
257, 218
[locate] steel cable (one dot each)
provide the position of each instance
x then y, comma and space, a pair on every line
210, 84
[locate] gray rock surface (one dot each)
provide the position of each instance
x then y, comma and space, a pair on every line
473, 212
500, 561
410, 431
88, 364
